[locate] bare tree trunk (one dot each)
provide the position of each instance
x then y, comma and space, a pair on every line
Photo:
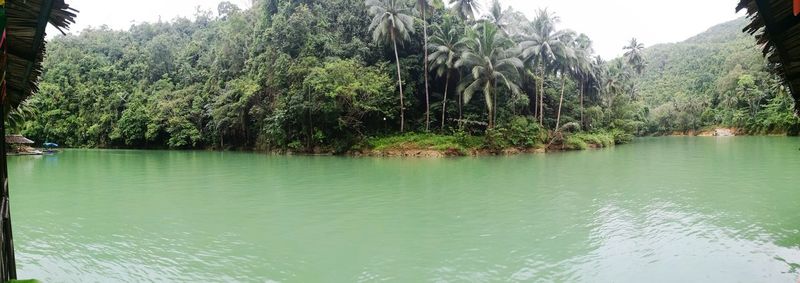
535, 95
541, 97
583, 122
460, 108
489, 109
427, 95
560, 101
444, 101
494, 105
400, 82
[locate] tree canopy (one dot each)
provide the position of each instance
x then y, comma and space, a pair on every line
325, 75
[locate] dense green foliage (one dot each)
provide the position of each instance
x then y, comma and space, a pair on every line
717, 78
325, 76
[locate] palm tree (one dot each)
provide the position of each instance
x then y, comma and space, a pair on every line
16, 117
491, 63
635, 59
498, 17
423, 6
616, 76
541, 47
392, 21
466, 9
584, 68
565, 63
445, 46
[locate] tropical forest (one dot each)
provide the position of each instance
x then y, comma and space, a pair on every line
347, 75
400, 141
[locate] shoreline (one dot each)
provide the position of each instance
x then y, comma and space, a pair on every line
430, 152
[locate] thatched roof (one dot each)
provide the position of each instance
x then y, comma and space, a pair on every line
777, 29
17, 139
27, 20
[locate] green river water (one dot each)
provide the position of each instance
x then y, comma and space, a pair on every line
657, 210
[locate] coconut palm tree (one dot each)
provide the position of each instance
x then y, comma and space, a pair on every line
615, 78
565, 63
445, 46
498, 16
423, 6
492, 64
540, 48
392, 21
466, 9
17, 116
584, 69
634, 57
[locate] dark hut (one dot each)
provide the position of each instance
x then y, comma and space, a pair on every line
23, 24
776, 27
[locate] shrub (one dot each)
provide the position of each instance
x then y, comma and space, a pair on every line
621, 137
575, 142
520, 132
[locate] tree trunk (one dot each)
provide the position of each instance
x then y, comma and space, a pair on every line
535, 95
494, 105
460, 107
400, 82
444, 101
541, 97
427, 95
489, 108
560, 101
583, 122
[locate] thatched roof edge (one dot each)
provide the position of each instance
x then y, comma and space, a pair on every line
26, 23
775, 29
17, 139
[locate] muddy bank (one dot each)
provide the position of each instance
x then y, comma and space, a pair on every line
716, 132
433, 153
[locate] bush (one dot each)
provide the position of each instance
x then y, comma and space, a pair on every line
520, 132
575, 142
621, 137
601, 139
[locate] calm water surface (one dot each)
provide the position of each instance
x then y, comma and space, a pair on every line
658, 210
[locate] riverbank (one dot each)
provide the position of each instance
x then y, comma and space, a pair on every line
730, 132
433, 145
710, 132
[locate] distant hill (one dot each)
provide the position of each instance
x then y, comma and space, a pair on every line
700, 64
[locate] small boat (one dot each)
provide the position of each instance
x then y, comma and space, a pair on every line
50, 148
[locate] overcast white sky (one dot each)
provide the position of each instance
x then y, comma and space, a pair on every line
610, 23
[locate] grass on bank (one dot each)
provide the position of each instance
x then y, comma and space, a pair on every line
581, 141
600, 139
496, 142
411, 141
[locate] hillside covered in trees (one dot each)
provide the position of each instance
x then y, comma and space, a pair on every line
327, 76
717, 78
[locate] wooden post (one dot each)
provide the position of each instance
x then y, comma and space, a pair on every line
8, 268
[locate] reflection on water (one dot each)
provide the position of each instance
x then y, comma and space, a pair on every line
664, 210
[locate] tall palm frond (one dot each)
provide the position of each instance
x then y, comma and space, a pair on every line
541, 48
445, 46
492, 62
16, 117
634, 56
391, 19
466, 9
392, 22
